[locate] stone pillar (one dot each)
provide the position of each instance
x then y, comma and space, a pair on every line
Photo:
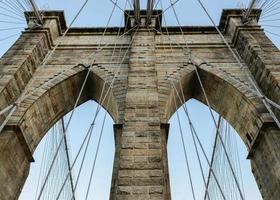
18, 66
265, 160
259, 54
140, 169
14, 160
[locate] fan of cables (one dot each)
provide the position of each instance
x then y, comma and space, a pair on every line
270, 17
13, 15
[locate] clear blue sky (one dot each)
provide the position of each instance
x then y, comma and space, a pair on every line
96, 14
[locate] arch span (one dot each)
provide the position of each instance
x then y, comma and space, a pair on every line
37, 114
237, 104
246, 114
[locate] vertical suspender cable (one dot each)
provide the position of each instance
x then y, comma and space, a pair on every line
212, 157
136, 5
150, 6
36, 11
184, 148
192, 130
68, 158
200, 144
248, 11
219, 135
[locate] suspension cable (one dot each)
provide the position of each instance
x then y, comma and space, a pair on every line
189, 53
111, 60
212, 156
184, 148
96, 154
193, 139
276, 105
248, 73
24, 95
199, 142
68, 158
86, 78
219, 135
66, 128
99, 105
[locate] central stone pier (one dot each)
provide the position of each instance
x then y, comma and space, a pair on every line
141, 172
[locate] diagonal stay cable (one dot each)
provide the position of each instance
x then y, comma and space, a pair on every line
25, 95
96, 153
212, 157
190, 124
276, 105
90, 131
193, 139
51, 53
83, 159
10, 22
166, 9
66, 128
248, 73
209, 104
184, 148
68, 158
199, 142
98, 108
71, 115
219, 135
102, 102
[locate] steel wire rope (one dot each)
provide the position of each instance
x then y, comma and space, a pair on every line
26, 95
11, 7
96, 154
190, 57
248, 73
110, 86
223, 145
11, 17
68, 158
179, 45
192, 134
255, 92
41, 167
167, 8
58, 76
276, 105
212, 157
99, 105
83, 159
181, 89
23, 95
51, 53
71, 115
7, 9
184, 148
199, 142
9, 22
270, 10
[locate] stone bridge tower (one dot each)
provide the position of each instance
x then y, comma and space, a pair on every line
142, 98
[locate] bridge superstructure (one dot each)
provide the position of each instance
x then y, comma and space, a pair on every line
138, 73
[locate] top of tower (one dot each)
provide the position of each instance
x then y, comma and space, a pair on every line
154, 20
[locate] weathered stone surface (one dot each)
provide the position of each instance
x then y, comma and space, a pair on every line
142, 97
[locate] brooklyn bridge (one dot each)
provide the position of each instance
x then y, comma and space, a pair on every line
139, 100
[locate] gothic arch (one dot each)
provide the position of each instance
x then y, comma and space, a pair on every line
246, 114
38, 113
238, 105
